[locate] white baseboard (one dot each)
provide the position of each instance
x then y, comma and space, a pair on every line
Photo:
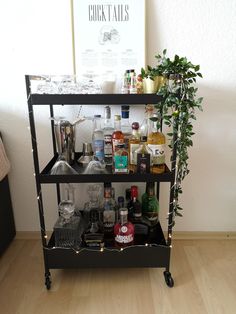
177, 235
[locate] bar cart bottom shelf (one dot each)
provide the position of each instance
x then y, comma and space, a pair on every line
154, 254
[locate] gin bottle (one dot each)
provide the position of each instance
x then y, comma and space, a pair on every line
150, 204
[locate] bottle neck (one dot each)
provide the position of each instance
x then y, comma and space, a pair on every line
117, 125
123, 219
97, 124
125, 115
135, 132
107, 116
153, 126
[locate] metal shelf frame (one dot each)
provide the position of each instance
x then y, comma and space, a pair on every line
157, 255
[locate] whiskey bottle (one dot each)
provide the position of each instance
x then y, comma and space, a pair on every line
125, 125
117, 135
141, 225
134, 206
143, 157
120, 159
156, 142
94, 235
108, 131
134, 142
124, 230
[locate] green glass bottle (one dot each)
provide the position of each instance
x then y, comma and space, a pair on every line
150, 204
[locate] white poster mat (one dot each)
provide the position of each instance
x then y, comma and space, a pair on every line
109, 38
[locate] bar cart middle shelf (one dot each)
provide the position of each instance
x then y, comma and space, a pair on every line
154, 253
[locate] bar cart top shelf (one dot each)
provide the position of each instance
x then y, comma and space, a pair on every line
94, 99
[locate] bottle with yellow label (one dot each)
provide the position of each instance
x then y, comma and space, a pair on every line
156, 142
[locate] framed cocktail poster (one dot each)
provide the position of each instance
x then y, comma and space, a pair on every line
109, 38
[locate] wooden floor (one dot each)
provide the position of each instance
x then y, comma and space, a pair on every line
204, 272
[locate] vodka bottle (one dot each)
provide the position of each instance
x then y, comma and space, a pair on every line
98, 138
108, 131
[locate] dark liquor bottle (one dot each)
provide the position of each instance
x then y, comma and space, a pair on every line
94, 235
134, 206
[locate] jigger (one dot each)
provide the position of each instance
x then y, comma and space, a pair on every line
87, 154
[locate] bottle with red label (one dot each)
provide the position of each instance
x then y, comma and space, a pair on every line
134, 206
124, 230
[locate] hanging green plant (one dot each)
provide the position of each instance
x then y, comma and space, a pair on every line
177, 108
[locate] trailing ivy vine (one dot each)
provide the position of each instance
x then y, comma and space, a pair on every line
177, 108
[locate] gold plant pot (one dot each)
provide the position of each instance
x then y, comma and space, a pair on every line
152, 86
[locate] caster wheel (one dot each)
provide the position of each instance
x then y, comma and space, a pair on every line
168, 279
48, 282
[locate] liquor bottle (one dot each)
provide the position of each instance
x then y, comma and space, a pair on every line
127, 196
150, 204
109, 214
121, 202
132, 89
108, 131
94, 235
124, 230
143, 157
134, 142
125, 125
145, 125
120, 159
141, 225
156, 142
124, 88
98, 138
117, 135
134, 206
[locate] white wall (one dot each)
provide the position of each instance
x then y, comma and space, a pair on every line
35, 37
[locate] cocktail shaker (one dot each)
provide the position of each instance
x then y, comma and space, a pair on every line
65, 138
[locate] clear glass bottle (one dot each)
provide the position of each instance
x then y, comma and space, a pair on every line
146, 123
124, 230
108, 131
134, 142
143, 157
117, 135
98, 138
109, 214
121, 160
125, 125
150, 204
156, 142
133, 89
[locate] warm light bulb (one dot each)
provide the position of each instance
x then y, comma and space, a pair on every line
45, 236
146, 244
77, 252
121, 249
37, 197
102, 249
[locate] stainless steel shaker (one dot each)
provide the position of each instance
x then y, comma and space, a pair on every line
65, 138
